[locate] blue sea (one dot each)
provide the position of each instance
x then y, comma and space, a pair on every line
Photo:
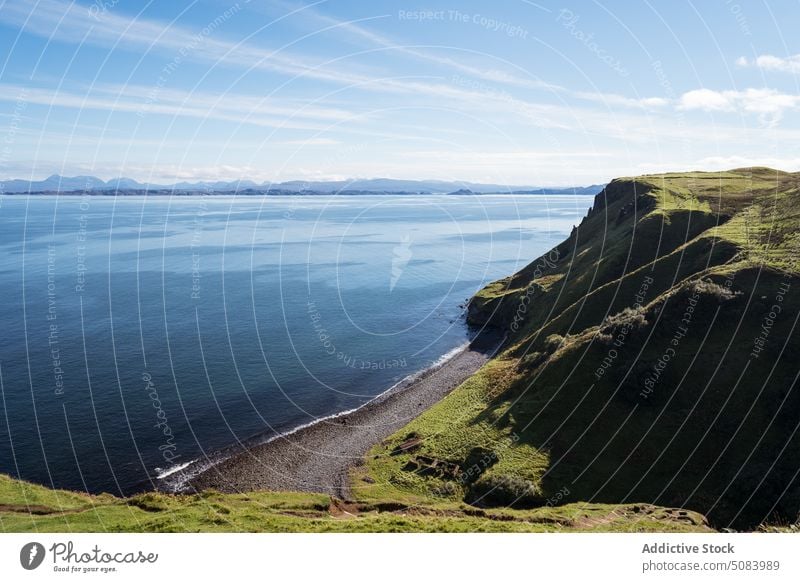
142, 333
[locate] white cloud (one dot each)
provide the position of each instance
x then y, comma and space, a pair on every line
654, 102
314, 141
768, 104
728, 162
512, 157
240, 109
611, 99
790, 64
723, 163
707, 100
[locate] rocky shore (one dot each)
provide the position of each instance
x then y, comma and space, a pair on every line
318, 457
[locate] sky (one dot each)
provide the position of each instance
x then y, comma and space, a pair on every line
511, 92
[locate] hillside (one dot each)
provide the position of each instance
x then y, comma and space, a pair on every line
652, 357
25, 507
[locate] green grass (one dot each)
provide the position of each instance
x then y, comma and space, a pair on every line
450, 430
708, 437
61, 511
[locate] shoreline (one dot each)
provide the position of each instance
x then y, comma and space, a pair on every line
176, 478
317, 457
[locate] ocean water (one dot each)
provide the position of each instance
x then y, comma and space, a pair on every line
141, 333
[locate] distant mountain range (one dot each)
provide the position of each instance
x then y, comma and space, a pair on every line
128, 186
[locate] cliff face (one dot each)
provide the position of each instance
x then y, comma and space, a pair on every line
652, 356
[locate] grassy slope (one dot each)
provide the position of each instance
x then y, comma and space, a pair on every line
27, 507
715, 433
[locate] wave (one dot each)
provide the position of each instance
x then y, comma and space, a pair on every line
162, 473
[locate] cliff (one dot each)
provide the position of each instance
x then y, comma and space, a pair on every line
652, 357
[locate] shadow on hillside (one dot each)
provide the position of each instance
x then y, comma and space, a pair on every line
698, 408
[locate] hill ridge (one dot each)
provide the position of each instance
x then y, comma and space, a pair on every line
636, 368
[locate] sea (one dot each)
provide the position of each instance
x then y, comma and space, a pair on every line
139, 335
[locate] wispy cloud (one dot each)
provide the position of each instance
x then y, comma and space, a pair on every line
512, 157
722, 163
769, 104
513, 76
790, 64
70, 22
387, 89
236, 108
313, 141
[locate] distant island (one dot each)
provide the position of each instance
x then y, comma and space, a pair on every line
94, 186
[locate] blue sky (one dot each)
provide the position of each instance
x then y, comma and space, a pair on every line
515, 92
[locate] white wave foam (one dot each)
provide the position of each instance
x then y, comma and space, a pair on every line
161, 473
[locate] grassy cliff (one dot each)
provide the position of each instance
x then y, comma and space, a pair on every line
652, 357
